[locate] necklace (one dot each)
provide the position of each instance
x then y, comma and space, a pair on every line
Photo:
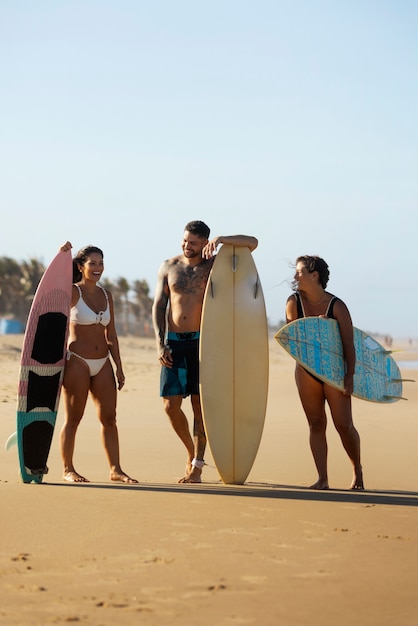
319, 302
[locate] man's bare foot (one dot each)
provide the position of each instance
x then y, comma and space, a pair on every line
121, 477
320, 484
194, 476
74, 477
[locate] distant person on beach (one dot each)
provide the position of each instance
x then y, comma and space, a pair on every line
176, 315
92, 340
311, 300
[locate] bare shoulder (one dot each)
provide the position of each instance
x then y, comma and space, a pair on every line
76, 291
203, 268
75, 294
175, 261
339, 305
341, 312
169, 263
291, 308
166, 265
169, 266
206, 264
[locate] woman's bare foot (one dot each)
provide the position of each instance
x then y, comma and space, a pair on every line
357, 484
74, 477
121, 477
320, 484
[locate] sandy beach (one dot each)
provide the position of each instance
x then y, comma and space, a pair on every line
269, 552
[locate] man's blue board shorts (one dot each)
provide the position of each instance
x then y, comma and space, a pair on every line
183, 378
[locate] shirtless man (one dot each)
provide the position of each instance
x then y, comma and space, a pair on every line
176, 317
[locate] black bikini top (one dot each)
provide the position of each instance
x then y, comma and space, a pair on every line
329, 312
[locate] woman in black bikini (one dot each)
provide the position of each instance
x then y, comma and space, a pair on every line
311, 299
92, 339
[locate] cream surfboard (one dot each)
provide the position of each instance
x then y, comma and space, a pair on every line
42, 368
234, 363
315, 343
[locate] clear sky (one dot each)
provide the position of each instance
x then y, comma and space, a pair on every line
296, 122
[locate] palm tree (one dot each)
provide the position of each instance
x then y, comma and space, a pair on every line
32, 272
142, 305
18, 284
122, 289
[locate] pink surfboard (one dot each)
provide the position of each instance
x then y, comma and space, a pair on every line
42, 367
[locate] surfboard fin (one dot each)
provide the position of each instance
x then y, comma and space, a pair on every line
211, 289
37, 472
257, 284
384, 351
394, 398
12, 441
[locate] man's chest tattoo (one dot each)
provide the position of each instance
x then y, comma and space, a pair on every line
190, 280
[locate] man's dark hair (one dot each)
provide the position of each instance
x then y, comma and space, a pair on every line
196, 227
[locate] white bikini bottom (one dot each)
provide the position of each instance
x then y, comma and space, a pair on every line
94, 365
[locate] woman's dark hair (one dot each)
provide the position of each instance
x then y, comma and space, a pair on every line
81, 257
315, 264
196, 227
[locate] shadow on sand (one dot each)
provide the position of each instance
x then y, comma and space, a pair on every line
264, 490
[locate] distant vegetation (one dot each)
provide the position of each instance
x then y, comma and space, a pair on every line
18, 283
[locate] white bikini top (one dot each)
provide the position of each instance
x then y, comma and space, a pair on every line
84, 315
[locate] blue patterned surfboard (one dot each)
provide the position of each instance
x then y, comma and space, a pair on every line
315, 343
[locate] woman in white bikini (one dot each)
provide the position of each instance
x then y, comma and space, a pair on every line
92, 338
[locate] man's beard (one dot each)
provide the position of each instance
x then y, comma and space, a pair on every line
191, 254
